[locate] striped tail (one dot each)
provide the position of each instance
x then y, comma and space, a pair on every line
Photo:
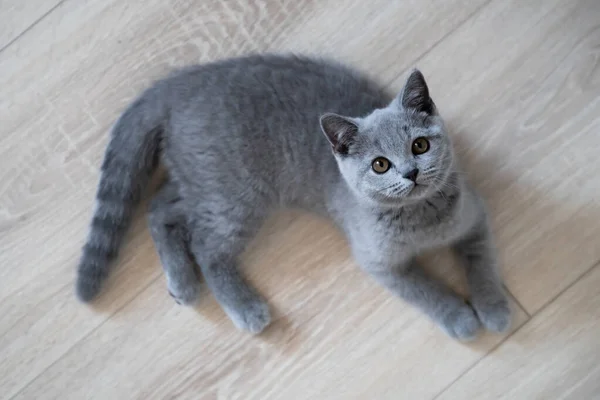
130, 159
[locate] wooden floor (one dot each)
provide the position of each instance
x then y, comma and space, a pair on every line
519, 84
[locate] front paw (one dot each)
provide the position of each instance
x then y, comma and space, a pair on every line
251, 315
493, 311
460, 322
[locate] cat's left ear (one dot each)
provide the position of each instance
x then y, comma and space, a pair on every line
415, 94
340, 131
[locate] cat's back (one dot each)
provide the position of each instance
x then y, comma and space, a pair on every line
267, 98
261, 114
263, 85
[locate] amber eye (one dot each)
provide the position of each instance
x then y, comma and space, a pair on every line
420, 146
381, 165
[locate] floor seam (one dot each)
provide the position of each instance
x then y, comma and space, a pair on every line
440, 40
506, 288
52, 364
531, 317
490, 351
30, 27
569, 286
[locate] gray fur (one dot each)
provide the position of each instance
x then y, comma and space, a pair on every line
167, 221
240, 138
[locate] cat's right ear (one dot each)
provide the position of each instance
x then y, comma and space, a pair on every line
340, 131
415, 94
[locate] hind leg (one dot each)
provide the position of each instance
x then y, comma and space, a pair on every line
217, 241
171, 237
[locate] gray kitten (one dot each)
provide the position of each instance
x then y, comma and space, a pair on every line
242, 137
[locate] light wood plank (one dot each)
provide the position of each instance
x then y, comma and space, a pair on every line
554, 356
17, 16
337, 335
520, 87
64, 83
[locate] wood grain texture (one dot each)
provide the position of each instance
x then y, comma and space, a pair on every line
336, 335
554, 355
18, 16
517, 81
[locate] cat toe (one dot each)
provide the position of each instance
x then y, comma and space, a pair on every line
461, 323
184, 294
174, 297
252, 316
495, 316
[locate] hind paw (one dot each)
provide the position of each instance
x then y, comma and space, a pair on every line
185, 294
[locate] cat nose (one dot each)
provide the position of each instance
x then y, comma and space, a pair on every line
412, 175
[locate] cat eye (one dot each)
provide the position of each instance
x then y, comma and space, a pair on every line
420, 146
380, 165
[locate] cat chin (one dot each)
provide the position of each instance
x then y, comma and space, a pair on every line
417, 194
388, 201
420, 193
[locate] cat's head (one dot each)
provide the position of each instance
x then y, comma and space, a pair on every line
396, 154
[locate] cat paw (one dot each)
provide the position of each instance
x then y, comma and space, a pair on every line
185, 294
252, 316
494, 314
461, 323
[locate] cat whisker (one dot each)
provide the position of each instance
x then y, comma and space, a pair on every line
450, 185
443, 195
392, 187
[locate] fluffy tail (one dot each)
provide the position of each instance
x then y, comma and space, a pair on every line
130, 159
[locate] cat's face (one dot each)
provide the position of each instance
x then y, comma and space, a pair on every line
397, 154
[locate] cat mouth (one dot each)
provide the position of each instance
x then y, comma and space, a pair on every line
417, 189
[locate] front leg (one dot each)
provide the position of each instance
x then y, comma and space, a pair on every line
487, 295
440, 303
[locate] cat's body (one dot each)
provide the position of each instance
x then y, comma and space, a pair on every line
241, 138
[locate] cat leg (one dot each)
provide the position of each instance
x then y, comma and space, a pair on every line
487, 294
216, 244
171, 238
410, 282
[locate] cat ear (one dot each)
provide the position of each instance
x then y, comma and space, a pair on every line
415, 94
340, 131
